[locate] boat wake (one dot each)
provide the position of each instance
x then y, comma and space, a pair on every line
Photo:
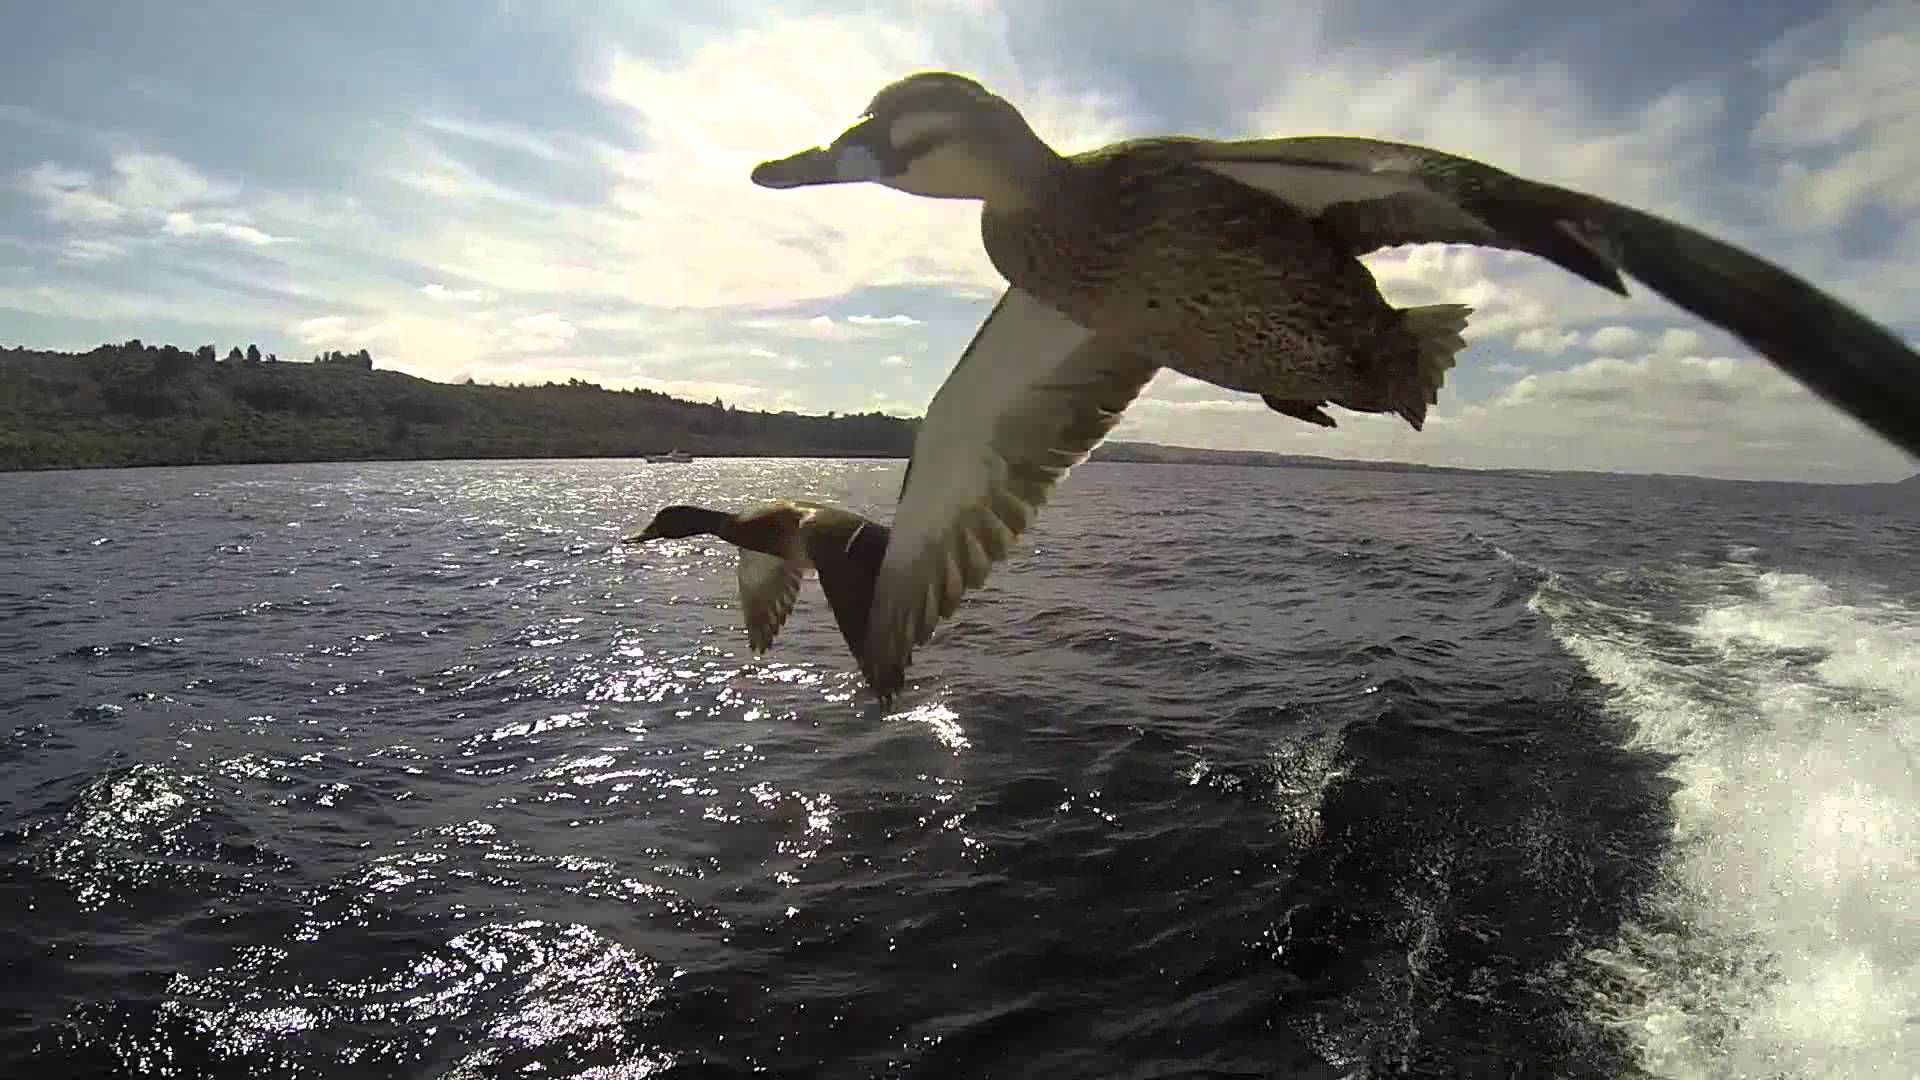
1783, 941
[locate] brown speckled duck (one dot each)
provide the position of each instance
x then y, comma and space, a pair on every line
779, 543
1237, 263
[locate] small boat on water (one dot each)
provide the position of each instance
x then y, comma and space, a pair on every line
674, 456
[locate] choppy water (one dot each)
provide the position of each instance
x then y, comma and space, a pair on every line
410, 770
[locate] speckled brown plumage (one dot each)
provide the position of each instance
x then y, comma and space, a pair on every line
1222, 284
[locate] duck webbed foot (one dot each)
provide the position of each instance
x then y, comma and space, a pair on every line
1309, 411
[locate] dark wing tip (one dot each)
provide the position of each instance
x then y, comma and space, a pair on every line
885, 670
885, 682
1855, 364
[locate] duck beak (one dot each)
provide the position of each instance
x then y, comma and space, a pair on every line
847, 161
641, 537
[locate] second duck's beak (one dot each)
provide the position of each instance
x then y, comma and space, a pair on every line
848, 161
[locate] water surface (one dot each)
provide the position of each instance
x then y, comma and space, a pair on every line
410, 769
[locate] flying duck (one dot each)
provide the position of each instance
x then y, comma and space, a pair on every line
1238, 263
779, 542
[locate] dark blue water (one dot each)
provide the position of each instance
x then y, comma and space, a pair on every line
411, 770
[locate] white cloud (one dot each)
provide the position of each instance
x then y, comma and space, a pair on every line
94, 249
155, 192
781, 361
446, 347
121, 308
1614, 339
183, 223
333, 331
499, 136
827, 328
1678, 341
421, 165
891, 405
542, 333
1544, 339
466, 296
1851, 122
68, 196
147, 183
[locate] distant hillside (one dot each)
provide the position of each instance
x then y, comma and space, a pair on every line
137, 404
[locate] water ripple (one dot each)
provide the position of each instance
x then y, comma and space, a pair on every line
413, 769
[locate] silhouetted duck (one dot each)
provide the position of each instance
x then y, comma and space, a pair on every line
779, 543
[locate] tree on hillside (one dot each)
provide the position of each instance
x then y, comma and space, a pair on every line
130, 404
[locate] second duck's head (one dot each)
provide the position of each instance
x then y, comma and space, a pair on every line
934, 134
678, 522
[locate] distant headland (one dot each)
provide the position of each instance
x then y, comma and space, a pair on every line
135, 404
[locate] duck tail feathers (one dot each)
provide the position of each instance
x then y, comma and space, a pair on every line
1439, 331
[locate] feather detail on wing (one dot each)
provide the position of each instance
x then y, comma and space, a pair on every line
1031, 397
769, 586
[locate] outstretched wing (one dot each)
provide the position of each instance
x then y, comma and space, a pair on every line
1031, 397
1374, 193
769, 585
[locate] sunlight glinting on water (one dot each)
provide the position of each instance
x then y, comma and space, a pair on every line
445, 780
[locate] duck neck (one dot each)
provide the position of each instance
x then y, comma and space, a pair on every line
766, 533
700, 521
1026, 173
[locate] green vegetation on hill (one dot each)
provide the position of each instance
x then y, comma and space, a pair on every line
137, 404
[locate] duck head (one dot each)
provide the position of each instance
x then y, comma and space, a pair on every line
934, 134
678, 522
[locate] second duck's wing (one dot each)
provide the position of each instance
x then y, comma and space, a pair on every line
770, 585
1376, 193
1031, 397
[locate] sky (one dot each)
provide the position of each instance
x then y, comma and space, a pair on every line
514, 191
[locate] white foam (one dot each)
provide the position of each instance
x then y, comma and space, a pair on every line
1785, 941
